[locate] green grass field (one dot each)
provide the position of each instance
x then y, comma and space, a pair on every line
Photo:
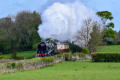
109, 49
78, 70
27, 54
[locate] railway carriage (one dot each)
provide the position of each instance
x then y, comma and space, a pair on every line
50, 49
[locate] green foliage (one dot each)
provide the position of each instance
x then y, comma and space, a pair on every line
47, 59
41, 60
106, 57
110, 36
109, 33
35, 46
11, 65
110, 25
85, 50
60, 55
105, 15
74, 48
79, 54
34, 61
68, 56
14, 65
20, 34
19, 65
20, 55
96, 38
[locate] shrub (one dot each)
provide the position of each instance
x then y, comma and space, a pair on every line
48, 59
19, 65
11, 65
85, 50
74, 48
106, 57
79, 54
59, 55
75, 54
8, 65
68, 56
34, 61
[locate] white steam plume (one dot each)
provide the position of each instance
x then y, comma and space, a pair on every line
62, 21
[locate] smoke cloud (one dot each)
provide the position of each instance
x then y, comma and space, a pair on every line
62, 21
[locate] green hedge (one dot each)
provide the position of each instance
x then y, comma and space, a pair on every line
106, 57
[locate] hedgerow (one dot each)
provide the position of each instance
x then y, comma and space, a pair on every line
106, 57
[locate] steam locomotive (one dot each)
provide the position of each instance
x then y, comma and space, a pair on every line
51, 48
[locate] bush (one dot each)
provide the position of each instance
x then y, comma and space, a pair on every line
11, 65
74, 48
34, 61
19, 65
60, 55
106, 57
68, 56
85, 50
79, 54
48, 59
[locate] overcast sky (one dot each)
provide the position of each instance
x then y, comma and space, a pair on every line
11, 7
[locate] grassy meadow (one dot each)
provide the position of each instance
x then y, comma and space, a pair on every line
27, 54
109, 49
78, 70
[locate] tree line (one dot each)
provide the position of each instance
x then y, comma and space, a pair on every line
96, 36
19, 33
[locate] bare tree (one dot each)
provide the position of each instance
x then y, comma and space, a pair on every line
83, 35
90, 34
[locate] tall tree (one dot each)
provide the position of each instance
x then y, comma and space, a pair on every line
96, 37
84, 34
109, 33
19, 33
5, 29
105, 15
28, 23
